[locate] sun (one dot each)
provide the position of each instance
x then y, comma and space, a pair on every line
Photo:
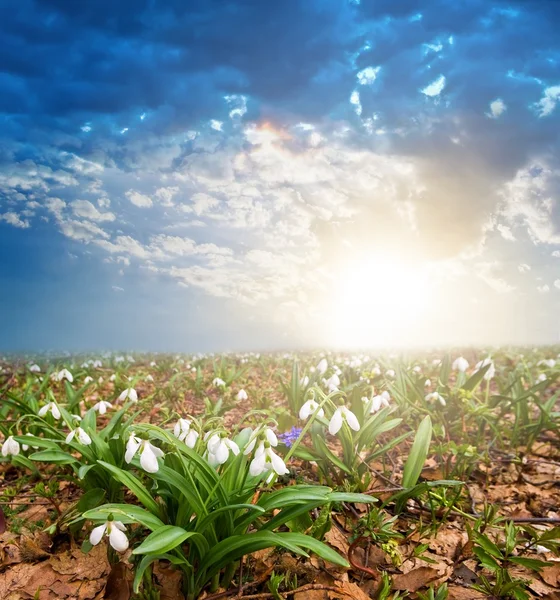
379, 301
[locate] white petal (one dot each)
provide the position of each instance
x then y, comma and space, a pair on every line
278, 464
221, 453
118, 539
70, 436
352, 420
131, 448
83, 437
335, 422
44, 410
191, 438
257, 465
306, 410
55, 412
250, 446
156, 450
96, 534
148, 460
271, 437
119, 525
232, 446
5, 449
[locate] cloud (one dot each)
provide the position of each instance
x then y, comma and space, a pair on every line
14, 219
497, 108
543, 289
548, 102
557, 284
85, 209
116, 288
139, 199
435, 88
82, 231
524, 268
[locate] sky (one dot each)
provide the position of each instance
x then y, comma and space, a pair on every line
213, 175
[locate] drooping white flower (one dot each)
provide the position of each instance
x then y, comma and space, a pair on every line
390, 373
128, 394
97, 364
219, 448
417, 369
379, 401
64, 374
148, 453
242, 395
10, 447
102, 406
266, 460
113, 377
25, 447
541, 378
185, 433
491, 371
376, 371
460, 364
322, 366
435, 397
428, 384
340, 415
149, 378
115, 530
332, 382
88, 379
35, 368
80, 435
263, 432
309, 408
217, 382
153, 363
549, 362
304, 381
52, 408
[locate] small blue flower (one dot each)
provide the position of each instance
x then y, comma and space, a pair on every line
289, 437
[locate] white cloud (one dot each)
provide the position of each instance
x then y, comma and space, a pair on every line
506, 232
488, 272
368, 75
547, 103
238, 105
82, 231
14, 219
116, 288
165, 195
355, 101
497, 108
435, 88
524, 268
139, 199
123, 244
556, 254
543, 289
217, 125
557, 284
55, 206
86, 210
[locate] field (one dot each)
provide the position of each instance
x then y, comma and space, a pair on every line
306, 476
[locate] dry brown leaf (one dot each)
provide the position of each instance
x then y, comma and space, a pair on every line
118, 584
551, 575
459, 592
338, 540
415, 579
348, 590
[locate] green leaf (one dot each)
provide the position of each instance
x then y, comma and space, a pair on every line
531, 563
163, 540
418, 453
485, 559
127, 513
476, 378
148, 560
53, 456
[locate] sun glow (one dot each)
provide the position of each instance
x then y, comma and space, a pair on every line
379, 301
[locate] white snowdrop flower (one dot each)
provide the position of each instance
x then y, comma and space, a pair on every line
149, 378
115, 530
340, 415
219, 448
97, 364
550, 363
376, 370
309, 408
304, 381
491, 371
100, 380
185, 433
541, 549
102, 406
50, 407
322, 366
242, 395
128, 394
541, 377
88, 379
64, 374
153, 363
417, 369
119, 359
130, 359
379, 401
332, 382
25, 447
460, 364
113, 377
436, 362
428, 384
193, 369
84, 365
148, 453
262, 432
10, 447
80, 435
390, 373
35, 368
217, 382
435, 397
266, 460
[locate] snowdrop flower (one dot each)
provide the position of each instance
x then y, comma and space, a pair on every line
25, 447
52, 408
376, 371
428, 384
417, 369
541, 377
217, 382
219, 447
436, 362
183, 432
460, 364
130, 359
128, 394
10, 447
97, 364
148, 453
304, 381
266, 460
390, 373
115, 530
322, 366
193, 369
377, 402
435, 397
64, 374
242, 395
153, 364
88, 379
309, 408
491, 371
35, 368
340, 415
84, 365
265, 433
113, 377
550, 363
80, 434
102, 406
332, 382
149, 378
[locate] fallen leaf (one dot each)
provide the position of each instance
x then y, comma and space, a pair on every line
118, 585
416, 579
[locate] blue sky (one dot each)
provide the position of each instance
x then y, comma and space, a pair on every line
215, 175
